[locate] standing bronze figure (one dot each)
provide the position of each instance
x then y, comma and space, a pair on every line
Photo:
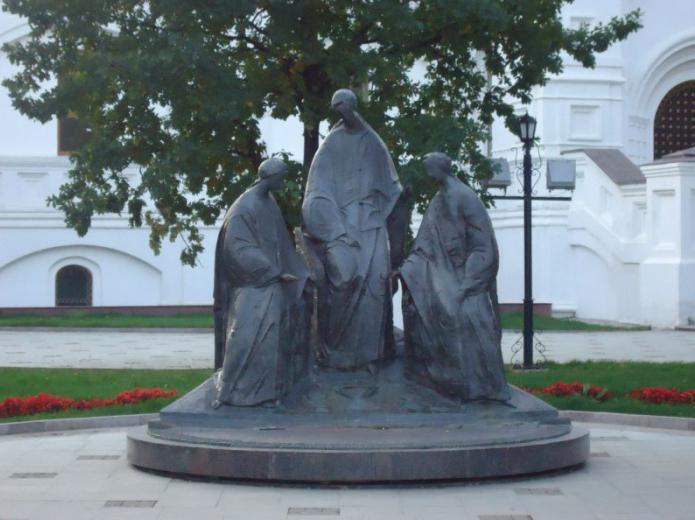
450, 308
259, 282
351, 192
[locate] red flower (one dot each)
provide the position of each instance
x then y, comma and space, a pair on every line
660, 395
561, 389
16, 406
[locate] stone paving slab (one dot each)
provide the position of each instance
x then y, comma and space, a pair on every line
184, 349
641, 475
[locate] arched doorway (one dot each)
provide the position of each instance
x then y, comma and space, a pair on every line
73, 286
674, 123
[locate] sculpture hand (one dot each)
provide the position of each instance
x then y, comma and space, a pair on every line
463, 293
288, 278
349, 241
468, 288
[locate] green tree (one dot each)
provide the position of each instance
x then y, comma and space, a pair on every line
178, 87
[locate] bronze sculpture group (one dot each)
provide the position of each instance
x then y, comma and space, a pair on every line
279, 312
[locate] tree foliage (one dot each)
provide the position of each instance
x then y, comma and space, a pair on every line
178, 87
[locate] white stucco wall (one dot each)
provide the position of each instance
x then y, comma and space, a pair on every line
610, 106
36, 243
613, 105
667, 274
591, 256
19, 136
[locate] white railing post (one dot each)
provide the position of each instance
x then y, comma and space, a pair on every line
667, 274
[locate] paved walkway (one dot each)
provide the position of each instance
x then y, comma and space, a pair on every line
633, 474
121, 349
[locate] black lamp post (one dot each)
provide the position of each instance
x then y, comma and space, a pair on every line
560, 175
527, 133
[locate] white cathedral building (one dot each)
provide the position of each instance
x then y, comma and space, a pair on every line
623, 248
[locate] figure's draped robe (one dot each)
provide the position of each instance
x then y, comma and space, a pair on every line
259, 320
454, 344
352, 189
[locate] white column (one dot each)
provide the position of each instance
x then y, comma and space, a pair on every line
667, 275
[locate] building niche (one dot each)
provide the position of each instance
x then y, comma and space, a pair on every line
73, 287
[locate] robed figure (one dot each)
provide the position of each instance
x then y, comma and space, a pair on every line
259, 312
352, 190
450, 307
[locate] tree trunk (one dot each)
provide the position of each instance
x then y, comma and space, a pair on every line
311, 143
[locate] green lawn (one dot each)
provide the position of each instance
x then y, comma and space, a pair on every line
619, 378
515, 321
82, 319
93, 383
510, 320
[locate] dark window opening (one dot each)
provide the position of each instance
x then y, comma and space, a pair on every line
73, 286
73, 134
674, 124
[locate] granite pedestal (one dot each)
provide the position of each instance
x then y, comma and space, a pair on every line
346, 427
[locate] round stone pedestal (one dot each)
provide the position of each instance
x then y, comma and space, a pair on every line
347, 427
359, 464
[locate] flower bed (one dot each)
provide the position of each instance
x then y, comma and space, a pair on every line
652, 395
561, 389
18, 406
41, 403
660, 395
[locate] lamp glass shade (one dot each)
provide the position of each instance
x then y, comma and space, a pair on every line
527, 128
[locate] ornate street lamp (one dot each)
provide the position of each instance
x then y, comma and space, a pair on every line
527, 133
560, 175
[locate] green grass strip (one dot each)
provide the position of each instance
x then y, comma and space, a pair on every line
619, 378
77, 319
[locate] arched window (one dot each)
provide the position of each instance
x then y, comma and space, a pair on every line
73, 286
674, 124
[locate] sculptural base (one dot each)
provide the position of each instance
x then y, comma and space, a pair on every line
359, 465
359, 427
